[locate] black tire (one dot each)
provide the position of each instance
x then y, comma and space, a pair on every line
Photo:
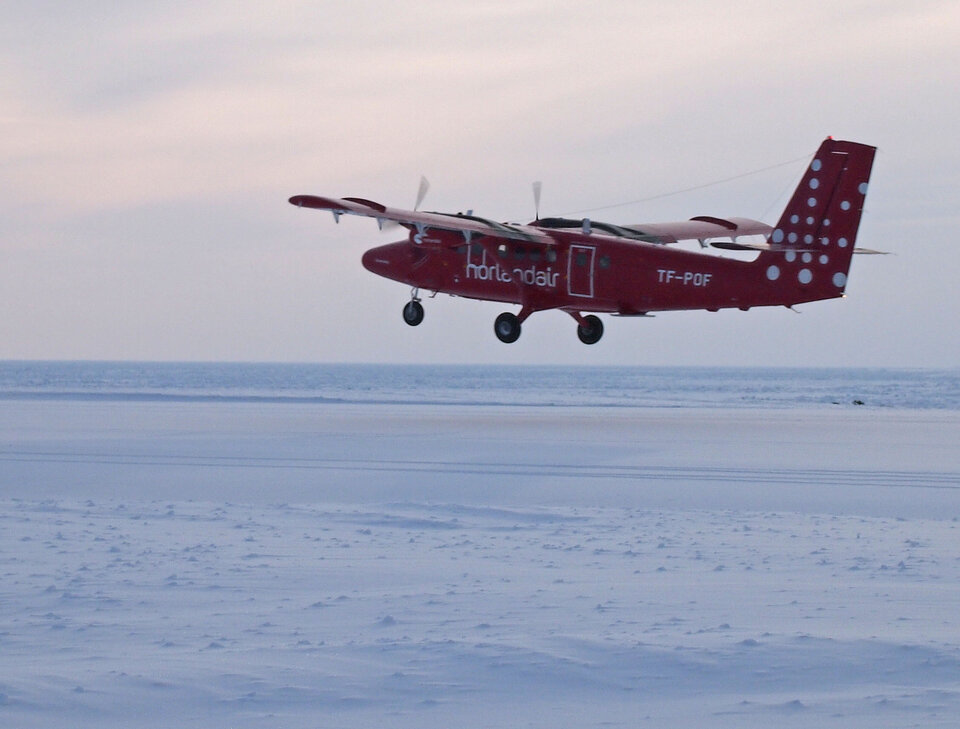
413, 313
507, 327
591, 333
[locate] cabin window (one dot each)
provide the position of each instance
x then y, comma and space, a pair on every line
604, 262
519, 252
476, 249
502, 250
534, 255
580, 259
550, 255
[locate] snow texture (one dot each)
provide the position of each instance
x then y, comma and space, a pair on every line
245, 564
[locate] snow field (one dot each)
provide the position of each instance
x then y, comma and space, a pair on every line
247, 564
158, 613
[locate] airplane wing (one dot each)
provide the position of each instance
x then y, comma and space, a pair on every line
733, 246
700, 228
705, 227
466, 225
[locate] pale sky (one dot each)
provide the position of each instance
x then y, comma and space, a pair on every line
148, 150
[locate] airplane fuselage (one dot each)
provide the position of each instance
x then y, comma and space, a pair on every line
592, 273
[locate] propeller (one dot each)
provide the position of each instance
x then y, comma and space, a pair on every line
537, 187
422, 191
391, 225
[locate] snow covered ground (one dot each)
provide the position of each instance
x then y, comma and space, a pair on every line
246, 564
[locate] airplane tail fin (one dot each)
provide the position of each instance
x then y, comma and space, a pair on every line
814, 239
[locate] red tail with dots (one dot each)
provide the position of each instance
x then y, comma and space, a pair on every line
813, 242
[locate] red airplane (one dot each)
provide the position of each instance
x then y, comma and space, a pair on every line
584, 267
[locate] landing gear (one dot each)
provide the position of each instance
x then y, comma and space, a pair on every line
413, 312
590, 330
507, 327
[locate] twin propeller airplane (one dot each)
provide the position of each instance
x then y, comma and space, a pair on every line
585, 267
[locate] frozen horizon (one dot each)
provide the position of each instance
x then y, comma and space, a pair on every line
436, 561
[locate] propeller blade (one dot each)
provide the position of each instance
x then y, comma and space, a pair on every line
422, 191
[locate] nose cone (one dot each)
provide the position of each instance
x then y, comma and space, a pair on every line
390, 261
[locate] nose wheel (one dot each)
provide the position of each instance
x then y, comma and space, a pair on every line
413, 312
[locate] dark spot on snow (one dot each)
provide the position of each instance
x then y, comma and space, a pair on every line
795, 705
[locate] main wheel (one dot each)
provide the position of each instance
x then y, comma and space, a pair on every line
591, 333
413, 313
507, 327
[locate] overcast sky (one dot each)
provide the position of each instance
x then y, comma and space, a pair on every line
148, 150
